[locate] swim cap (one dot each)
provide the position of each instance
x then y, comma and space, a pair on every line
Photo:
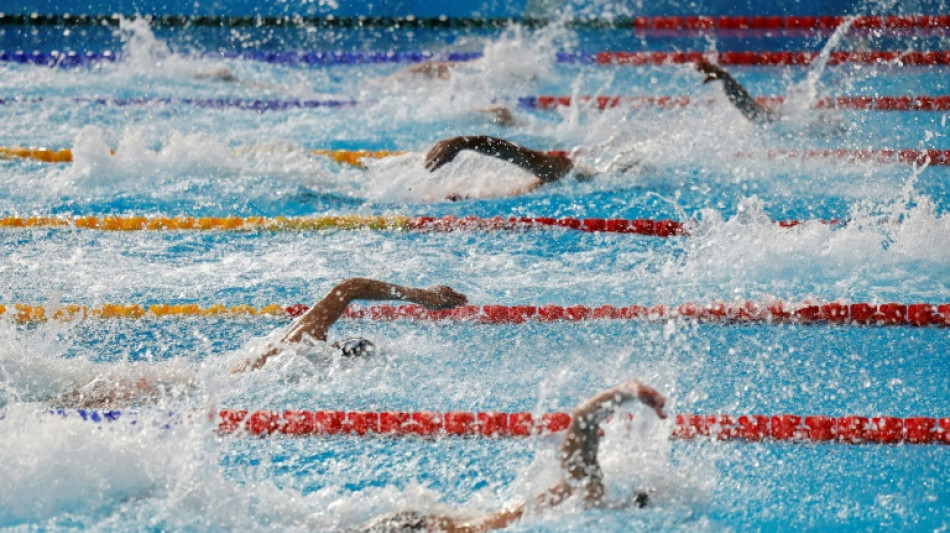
642, 499
355, 347
399, 522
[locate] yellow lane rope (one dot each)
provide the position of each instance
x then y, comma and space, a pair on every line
37, 154
30, 314
348, 157
355, 157
133, 223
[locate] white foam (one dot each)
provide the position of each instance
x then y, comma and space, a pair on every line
470, 175
748, 254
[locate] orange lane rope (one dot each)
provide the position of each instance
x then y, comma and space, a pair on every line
858, 313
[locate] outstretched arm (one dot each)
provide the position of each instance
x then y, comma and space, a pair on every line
317, 321
547, 167
737, 94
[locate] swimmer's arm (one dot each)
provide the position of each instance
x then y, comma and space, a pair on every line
547, 167
317, 321
497, 520
579, 448
737, 94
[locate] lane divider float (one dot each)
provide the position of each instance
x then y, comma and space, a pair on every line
743, 58
65, 155
752, 428
852, 429
656, 23
933, 156
37, 154
832, 313
854, 103
734, 23
645, 227
70, 58
213, 103
735, 58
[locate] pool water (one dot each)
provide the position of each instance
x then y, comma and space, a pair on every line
172, 158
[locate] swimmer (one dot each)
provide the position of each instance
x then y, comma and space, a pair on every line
431, 70
581, 473
500, 115
149, 383
546, 167
315, 323
738, 95
221, 73
820, 124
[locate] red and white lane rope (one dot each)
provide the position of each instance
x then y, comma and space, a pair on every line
781, 427
888, 314
917, 157
896, 58
862, 103
700, 23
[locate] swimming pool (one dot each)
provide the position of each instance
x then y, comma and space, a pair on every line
175, 158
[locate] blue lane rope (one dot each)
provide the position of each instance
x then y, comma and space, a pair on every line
91, 415
75, 59
214, 103
908, 58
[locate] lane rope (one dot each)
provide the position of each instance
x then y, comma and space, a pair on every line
933, 156
211, 103
70, 58
744, 58
56, 58
646, 227
65, 155
738, 312
662, 23
855, 103
852, 429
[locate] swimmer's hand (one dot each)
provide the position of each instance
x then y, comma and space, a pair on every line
645, 394
441, 70
441, 297
713, 72
444, 151
498, 114
241, 366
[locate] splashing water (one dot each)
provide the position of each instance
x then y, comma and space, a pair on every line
703, 164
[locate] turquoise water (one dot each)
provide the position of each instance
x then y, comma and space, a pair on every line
177, 159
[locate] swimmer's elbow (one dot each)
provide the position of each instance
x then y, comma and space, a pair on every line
352, 286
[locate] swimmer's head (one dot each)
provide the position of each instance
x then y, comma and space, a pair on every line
642, 499
399, 522
355, 347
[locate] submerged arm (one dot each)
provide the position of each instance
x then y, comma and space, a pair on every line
547, 167
317, 321
737, 94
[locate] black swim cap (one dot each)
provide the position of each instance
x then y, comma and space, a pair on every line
355, 347
399, 522
642, 499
